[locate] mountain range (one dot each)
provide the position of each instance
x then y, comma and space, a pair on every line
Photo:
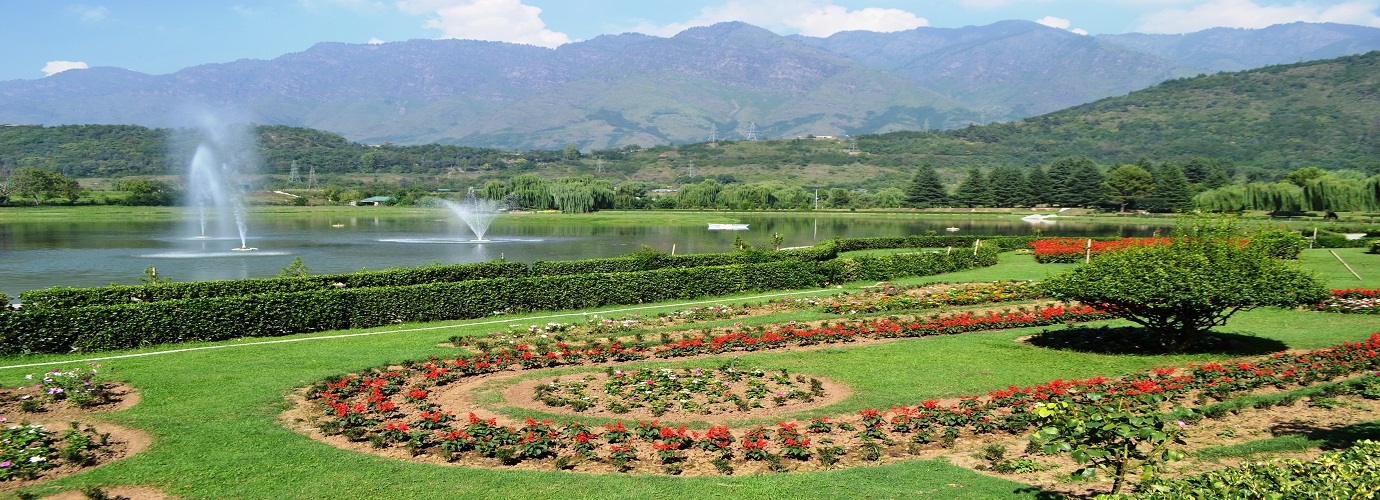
726, 81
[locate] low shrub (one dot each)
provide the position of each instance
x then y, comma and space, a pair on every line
1350, 473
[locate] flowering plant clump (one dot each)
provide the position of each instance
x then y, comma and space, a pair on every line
728, 389
1352, 301
1073, 250
27, 450
892, 299
82, 386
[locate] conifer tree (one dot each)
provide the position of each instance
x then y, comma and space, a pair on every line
926, 190
974, 191
1039, 187
1009, 188
1172, 187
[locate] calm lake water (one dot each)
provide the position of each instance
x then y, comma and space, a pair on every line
77, 253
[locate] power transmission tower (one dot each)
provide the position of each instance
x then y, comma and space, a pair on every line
294, 176
598, 165
691, 170
713, 133
752, 131
311, 177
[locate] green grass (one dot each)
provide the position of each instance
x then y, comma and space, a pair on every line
1295, 442
213, 412
1336, 274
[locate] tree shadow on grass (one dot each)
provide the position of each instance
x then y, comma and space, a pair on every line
1330, 438
1135, 340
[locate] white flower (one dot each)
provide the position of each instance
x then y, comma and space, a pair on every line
36, 459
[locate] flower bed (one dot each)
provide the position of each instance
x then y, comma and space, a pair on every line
697, 391
392, 407
893, 298
1352, 301
1074, 250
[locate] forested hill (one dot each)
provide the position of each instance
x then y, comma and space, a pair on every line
1274, 119
1322, 113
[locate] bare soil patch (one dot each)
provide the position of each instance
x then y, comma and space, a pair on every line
58, 416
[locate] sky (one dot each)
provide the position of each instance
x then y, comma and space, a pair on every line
44, 37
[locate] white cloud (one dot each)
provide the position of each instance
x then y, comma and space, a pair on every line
1248, 14
830, 19
1061, 23
811, 18
1054, 22
375, 41
55, 67
88, 13
495, 20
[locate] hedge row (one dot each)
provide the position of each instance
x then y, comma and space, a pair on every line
649, 260
1004, 243
95, 328
65, 297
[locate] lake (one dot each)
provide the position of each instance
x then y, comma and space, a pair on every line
79, 253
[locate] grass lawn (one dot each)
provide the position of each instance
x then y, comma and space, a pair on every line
213, 412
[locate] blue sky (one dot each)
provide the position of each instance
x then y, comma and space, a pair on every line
42, 37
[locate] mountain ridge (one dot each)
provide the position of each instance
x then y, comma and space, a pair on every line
728, 80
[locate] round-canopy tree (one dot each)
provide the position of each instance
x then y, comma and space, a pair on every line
1181, 290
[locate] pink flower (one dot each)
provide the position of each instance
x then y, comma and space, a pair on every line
1181, 424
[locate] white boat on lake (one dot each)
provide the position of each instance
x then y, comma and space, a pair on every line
728, 227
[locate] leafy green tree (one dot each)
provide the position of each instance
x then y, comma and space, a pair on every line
296, 268
42, 185
630, 196
889, 197
840, 198
1303, 175
1127, 184
495, 190
1009, 188
147, 192
926, 190
1181, 290
974, 191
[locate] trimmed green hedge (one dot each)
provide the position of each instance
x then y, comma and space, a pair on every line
1005, 243
63, 297
649, 260
125, 326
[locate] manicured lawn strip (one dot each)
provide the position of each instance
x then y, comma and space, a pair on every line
1303, 329
1322, 261
1286, 443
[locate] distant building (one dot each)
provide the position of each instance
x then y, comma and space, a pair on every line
374, 201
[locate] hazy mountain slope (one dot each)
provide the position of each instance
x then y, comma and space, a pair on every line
639, 89
1007, 70
1230, 49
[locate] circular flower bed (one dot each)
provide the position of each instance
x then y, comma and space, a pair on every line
727, 389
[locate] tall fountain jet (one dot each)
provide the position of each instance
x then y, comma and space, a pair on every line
213, 184
475, 212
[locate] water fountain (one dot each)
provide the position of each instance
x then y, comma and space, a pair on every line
213, 183
475, 212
